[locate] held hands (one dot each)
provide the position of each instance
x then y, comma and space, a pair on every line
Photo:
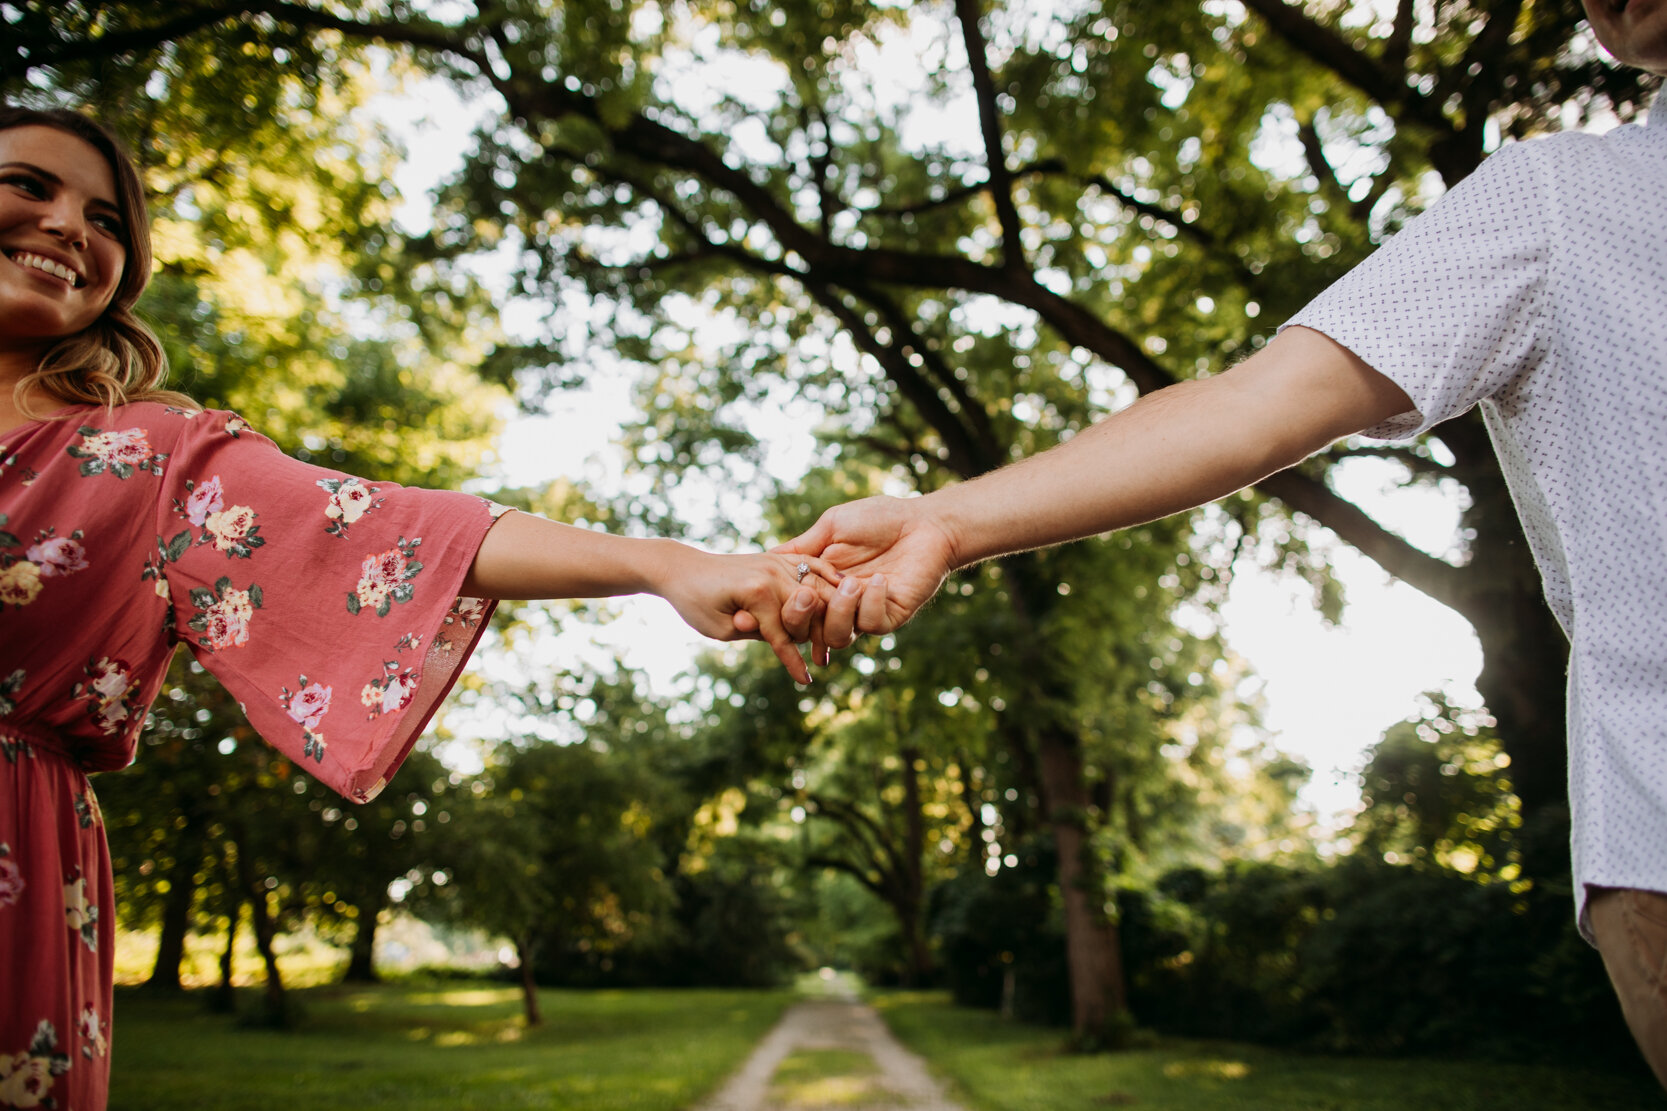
733, 597
869, 567
894, 558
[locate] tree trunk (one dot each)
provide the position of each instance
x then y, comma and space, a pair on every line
276, 1002
176, 914
361, 961
1098, 1000
525, 948
911, 866
224, 998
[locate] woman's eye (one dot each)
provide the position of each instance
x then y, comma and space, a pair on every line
26, 182
110, 225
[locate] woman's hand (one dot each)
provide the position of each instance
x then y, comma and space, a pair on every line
894, 555
721, 596
735, 597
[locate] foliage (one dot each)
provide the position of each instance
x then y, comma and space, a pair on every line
1437, 792
1113, 197
1002, 939
1370, 957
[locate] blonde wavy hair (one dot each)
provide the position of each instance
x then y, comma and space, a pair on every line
116, 359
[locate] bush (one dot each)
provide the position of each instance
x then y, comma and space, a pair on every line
1001, 941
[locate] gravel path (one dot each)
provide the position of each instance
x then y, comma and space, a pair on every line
901, 1082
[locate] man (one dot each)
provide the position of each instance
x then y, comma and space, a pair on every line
1535, 289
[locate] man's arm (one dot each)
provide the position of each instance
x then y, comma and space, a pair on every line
1172, 450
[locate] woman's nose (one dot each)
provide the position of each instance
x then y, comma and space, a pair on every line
65, 220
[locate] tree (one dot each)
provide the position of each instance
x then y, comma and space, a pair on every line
555, 855
1146, 186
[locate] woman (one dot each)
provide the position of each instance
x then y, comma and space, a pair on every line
338, 611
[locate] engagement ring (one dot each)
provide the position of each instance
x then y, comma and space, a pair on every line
801, 571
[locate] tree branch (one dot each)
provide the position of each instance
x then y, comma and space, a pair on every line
1371, 76
989, 124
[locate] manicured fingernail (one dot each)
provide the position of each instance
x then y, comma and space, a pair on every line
850, 587
877, 580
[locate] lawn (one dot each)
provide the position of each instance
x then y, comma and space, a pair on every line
995, 1065
448, 1045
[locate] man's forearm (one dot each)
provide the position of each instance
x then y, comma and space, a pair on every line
1172, 450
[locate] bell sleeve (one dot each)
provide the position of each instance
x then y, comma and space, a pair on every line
328, 605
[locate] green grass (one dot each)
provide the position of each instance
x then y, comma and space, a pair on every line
994, 1065
826, 1078
448, 1045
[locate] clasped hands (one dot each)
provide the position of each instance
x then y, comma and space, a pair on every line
872, 564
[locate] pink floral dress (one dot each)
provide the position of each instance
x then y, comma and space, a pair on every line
328, 605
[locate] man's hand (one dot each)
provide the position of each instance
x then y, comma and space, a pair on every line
894, 557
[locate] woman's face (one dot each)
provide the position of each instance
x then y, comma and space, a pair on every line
61, 235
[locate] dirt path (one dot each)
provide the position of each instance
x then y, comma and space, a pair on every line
823, 1032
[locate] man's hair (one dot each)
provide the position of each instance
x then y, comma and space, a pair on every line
116, 359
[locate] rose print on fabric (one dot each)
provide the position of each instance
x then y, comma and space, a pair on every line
87, 813
22, 576
234, 531
121, 453
10, 685
392, 691
111, 694
231, 529
57, 556
91, 1029
236, 426
307, 707
26, 1078
19, 584
202, 499
11, 878
79, 915
385, 578
224, 613
465, 613
350, 499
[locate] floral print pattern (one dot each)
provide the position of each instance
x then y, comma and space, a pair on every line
79, 915
111, 695
224, 613
91, 1029
27, 1078
50, 556
9, 686
11, 878
386, 578
349, 500
96, 594
123, 453
231, 529
307, 707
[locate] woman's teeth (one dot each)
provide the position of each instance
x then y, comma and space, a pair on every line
57, 270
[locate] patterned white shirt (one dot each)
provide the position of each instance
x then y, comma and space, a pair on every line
1537, 288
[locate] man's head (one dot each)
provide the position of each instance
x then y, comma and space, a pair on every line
1634, 31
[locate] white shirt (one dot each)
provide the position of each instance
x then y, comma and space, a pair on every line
1537, 288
